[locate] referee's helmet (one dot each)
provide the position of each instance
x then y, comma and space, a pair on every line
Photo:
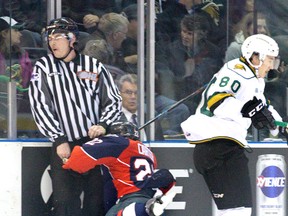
62, 25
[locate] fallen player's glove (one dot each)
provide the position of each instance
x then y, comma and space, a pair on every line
156, 205
260, 116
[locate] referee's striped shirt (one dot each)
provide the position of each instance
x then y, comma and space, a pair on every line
68, 98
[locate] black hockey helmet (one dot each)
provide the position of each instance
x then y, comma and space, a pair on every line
125, 129
62, 25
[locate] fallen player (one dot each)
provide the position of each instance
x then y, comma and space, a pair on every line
131, 165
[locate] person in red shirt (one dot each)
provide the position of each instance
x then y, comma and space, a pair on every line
132, 167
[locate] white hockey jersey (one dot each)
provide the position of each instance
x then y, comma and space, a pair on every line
240, 83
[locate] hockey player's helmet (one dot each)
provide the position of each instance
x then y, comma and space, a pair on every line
125, 129
62, 25
260, 44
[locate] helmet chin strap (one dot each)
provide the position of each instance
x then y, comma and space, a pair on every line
257, 66
62, 58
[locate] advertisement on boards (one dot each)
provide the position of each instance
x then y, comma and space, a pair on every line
267, 170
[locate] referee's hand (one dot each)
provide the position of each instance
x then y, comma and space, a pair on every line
63, 151
96, 131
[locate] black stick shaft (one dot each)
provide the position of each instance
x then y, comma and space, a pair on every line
173, 106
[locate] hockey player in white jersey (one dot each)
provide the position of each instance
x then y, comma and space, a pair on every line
233, 99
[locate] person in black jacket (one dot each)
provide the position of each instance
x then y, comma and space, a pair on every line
193, 59
168, 22
73, 100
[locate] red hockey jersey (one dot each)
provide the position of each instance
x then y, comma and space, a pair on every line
129, 162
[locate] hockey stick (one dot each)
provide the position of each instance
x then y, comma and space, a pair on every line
173, 106
281, 124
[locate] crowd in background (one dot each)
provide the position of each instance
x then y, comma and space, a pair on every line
193, 38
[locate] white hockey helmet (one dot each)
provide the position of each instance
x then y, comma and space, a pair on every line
261, 44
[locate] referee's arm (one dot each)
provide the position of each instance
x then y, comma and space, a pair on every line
41, 105
110, 99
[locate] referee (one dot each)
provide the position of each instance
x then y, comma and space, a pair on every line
73, 100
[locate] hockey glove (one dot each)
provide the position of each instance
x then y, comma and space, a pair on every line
156, 205
260, 116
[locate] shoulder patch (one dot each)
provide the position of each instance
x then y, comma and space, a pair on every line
35, 76
239, 66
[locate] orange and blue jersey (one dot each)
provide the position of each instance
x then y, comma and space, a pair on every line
130, 163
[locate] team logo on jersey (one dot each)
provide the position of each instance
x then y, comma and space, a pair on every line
239, 66
35, 76
87, 75
271, 181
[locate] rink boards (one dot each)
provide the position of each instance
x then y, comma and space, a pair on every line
25, 183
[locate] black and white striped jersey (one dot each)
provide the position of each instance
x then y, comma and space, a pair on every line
68, 98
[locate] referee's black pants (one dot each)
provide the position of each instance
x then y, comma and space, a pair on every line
68, 186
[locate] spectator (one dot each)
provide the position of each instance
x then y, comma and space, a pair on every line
193, 59
99, 49
21, 66
131, 165
30, 12
128, 88
237, 9
77, 10
112, 28
87, 12
164, 77
276, 13
15, 65
168, 22
244, 29
73, 100
129, 45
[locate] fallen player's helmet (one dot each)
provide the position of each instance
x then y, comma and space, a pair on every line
125, 129
259, 44
62, 25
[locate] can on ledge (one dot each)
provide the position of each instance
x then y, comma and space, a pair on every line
271, 185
